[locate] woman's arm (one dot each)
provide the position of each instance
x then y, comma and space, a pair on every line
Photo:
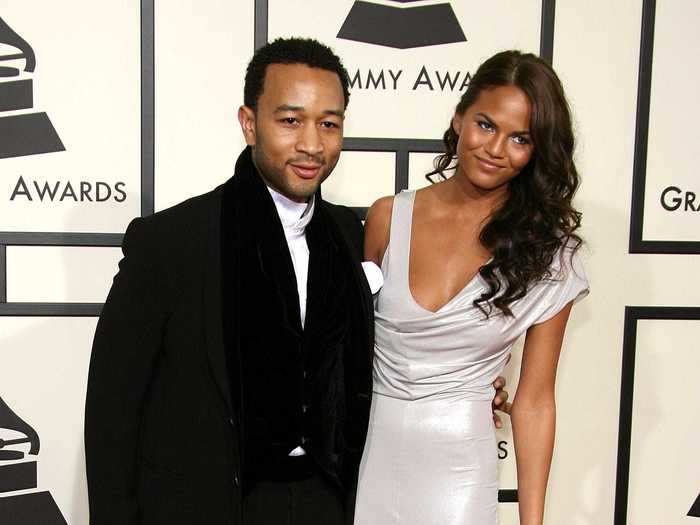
377, 227
533, 414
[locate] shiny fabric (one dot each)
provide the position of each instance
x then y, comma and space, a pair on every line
430, 457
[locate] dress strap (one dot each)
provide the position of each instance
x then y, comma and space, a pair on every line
400, 233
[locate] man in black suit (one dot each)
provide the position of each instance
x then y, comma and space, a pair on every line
230, 378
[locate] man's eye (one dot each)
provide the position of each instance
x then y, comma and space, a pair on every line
288, 120
329, 124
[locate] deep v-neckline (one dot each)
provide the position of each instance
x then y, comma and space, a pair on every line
474, 277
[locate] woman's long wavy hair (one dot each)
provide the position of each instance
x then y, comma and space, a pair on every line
525, 233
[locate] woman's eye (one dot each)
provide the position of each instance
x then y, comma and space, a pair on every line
519, 139
485, 125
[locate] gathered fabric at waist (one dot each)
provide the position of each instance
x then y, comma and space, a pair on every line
405, 367
439, 388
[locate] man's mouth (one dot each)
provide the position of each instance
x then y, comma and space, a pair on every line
306, 171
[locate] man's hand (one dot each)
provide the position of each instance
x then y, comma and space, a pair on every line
500, 401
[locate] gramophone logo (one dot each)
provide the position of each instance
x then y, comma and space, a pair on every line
694, 511
400, 25
20, 502
26, 132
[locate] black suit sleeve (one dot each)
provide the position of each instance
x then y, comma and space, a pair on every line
125, 349
358, 358
351, 228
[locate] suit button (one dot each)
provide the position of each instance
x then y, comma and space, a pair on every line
230, 421
236, 481
304, 408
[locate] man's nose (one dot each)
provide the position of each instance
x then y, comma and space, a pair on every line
310, 141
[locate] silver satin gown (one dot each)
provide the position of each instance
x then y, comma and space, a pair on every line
430, 457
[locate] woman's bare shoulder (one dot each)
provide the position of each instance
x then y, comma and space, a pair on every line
377, 228
380, 211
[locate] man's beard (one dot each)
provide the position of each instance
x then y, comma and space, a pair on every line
274, 176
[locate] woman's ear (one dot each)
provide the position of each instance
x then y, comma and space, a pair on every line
457, 123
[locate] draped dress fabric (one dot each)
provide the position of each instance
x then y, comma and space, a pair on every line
430, 457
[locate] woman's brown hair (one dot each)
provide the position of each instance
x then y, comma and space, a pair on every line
537, 218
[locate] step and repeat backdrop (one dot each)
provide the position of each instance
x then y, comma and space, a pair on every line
110, 110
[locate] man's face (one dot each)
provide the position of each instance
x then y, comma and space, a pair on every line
297, 130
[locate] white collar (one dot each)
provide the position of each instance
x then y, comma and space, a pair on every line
295, 216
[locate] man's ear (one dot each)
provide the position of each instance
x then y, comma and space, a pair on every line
246, 117
457, 123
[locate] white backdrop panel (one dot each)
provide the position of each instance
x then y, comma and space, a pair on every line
664, 478
56, 274
43, 379
508, 514
202, 49
360, 178
596, 54
673, 153
88, 81
410, 101
418, 165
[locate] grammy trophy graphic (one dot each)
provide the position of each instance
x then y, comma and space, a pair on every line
20, 502
694, 511
22, 132
403, 24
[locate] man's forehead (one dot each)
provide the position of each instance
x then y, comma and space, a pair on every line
299, 82
285, 73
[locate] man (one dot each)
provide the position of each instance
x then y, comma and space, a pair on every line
230, 379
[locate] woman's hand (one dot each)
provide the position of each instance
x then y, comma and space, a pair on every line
500, 400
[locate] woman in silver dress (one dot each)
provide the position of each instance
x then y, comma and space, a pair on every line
470, 264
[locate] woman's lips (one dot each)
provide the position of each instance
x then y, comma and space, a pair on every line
487, 165
306, 171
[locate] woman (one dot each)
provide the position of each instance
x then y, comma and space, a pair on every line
470, 264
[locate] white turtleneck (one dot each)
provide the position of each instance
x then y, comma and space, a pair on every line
295, 216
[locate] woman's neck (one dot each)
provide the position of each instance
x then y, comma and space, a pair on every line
461, 193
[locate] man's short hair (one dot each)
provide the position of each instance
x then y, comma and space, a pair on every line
305, 51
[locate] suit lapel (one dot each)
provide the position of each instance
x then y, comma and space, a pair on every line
353, 250
213, 304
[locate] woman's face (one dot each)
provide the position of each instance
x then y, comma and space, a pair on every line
494, 137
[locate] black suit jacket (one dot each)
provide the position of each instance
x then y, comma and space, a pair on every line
162, 436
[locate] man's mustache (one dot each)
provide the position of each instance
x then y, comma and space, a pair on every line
308, 159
